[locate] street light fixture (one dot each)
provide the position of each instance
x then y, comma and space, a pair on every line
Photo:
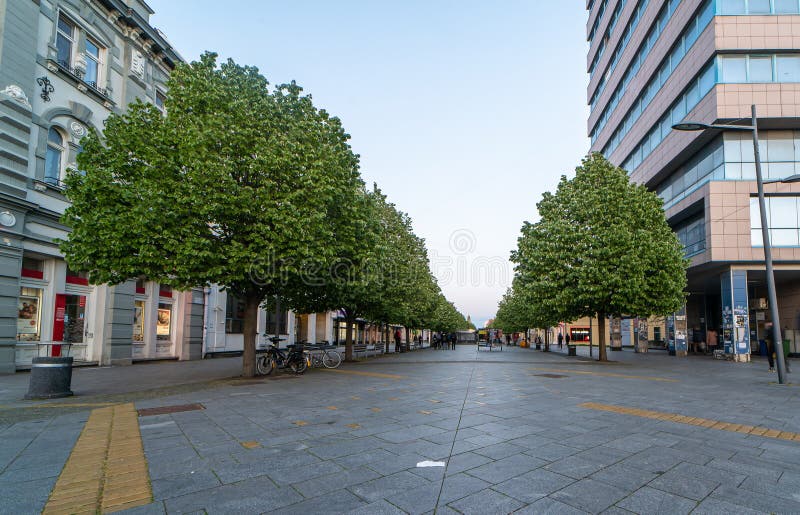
773, 299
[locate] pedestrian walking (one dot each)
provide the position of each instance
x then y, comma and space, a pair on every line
508, 340
566, 339
560, 340
397, 340
452, 341
770, 353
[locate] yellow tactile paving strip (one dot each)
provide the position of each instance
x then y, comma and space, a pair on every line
606, 374
107, 470
695, 421
361, 373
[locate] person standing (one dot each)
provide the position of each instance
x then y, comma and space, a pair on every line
453, 339
560, 340
566, 339
397, 339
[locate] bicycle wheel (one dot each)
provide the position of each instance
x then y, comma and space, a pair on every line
331, 359
299, 366
265, 365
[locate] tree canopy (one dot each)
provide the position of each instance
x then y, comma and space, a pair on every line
602, 247
246, 186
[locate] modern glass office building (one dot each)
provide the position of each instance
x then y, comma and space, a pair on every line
656, 63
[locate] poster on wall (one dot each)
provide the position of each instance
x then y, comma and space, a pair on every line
163, 322
28, 318
138, 321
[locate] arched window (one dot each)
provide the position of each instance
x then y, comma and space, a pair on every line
54, 156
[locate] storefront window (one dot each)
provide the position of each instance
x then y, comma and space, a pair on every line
74, 318
28, 315
271, 321
579, 334
234, 314
138, 321
164, 321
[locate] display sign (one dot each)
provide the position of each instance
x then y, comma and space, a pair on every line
163, 321
138, 321
28, 318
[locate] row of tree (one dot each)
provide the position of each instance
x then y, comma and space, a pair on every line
602, 247
252, 188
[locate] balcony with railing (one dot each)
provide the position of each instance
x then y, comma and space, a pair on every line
78, 75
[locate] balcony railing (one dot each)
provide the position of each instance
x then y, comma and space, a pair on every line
78, 74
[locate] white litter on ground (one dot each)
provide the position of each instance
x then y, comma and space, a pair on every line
430, 464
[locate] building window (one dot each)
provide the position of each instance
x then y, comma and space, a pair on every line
74, 321
64, 39
92, 53
692, 235
161, 98
164, 321
53, 157
783, 220
733, 7
28, 314
234, 314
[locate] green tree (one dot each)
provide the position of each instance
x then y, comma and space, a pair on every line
238, 185
602, 246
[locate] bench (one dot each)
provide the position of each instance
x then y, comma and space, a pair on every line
489, 345
366, 349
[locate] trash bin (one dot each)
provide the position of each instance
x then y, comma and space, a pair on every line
51, 374
571, 350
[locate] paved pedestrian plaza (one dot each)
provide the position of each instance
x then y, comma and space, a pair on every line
515, 431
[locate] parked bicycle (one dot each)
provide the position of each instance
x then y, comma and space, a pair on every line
275, 358
323, 356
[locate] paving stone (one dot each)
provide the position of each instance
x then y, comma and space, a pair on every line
325, 484
552, 451
395, 464
655, 459
756, 501
377, 508
387, 486
465, 461
506, 468
533, 485
575, 467
182, 484
257, 495
652, 501
500, 450
590, 495
486, 502
289, 475
548, 506
679, 483
624, 477
341, 501
712, 506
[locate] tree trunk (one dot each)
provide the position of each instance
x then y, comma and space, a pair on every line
547, 339
348, 342
601, 341
250, 332
386, 338
408, 339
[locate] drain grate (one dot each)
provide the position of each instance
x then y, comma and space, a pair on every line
165, 410
551, 376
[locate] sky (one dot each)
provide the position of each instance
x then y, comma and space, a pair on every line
463, 112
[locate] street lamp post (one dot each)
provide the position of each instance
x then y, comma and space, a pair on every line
773, 299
